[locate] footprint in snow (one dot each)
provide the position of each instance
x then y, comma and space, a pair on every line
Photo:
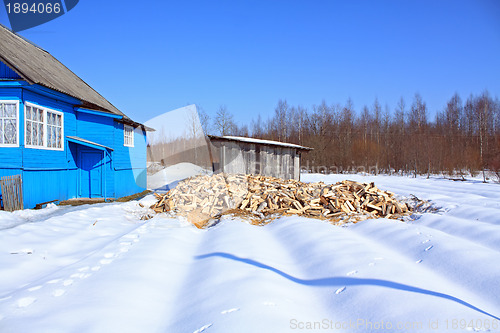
68, 282
269, 303
126, 243
426, 241
59, 292
109, 255
418, 261
201, 329
54, 281
352, 273
80, 276
338, 291
131, 236
230, 310
25, 302
35, 288
96, 268
428, 248
105, 261
83, 269
124, 249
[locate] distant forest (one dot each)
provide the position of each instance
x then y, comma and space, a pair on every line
462, 137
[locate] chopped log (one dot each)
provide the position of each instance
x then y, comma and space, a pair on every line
203, 197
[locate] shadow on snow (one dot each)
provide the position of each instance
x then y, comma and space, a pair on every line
344, 281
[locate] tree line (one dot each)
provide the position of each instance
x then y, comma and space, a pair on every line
464, 137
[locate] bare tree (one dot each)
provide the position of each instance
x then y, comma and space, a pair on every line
204, 120
223, 122
280, 120
257, 130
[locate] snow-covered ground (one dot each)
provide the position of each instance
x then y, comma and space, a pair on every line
167, 178
100, 268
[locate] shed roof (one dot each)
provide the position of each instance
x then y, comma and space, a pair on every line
258, 141
88, 143
38, 66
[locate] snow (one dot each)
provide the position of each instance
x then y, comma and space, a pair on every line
100, 268
264, 142
167, 178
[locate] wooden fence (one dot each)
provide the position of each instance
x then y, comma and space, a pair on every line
12, 192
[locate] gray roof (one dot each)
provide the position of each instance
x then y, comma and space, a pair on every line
258, 141
37, 66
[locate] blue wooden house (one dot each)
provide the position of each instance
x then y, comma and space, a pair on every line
59, 134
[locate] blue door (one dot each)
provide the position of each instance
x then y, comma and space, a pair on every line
91, 174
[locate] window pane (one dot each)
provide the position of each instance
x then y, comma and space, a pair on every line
40, 134
53, 137
28, 113
1, 110
34, 134
1, 131
10, 131
49, 136
10, 110
58, 138
28, 132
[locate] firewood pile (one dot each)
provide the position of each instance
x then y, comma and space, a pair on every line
261, 198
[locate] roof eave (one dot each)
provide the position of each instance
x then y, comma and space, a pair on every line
282, 145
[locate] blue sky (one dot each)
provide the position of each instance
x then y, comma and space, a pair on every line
148, 57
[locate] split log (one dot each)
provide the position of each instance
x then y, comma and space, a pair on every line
204, 197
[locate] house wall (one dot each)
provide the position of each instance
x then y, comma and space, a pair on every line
7, 73
45, 173
129, 162
51, 174
98, 129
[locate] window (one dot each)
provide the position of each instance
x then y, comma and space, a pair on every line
44, 128
54, 130
9, 124
34, 126
128, 136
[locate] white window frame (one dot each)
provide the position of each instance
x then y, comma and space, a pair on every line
45, 122
47, 111
130, 137
17, 123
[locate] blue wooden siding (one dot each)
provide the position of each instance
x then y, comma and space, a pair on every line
130, 162
56, 174
7, 73
99, 129
11, 157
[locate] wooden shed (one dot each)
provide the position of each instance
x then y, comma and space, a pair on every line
235, 154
